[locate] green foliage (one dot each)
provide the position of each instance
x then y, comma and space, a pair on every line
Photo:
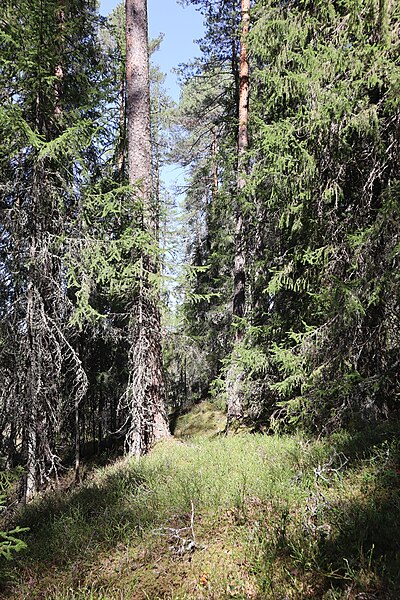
203, 419
10, 542
320, 210
52, 94
206, 145
324, 153
299, 513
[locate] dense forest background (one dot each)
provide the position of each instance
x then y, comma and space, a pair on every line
248, 322
288, 297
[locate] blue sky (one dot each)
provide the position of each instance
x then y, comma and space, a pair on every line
180, 25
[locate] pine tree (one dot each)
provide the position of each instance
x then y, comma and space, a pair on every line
145, 397
318, 341
235, 399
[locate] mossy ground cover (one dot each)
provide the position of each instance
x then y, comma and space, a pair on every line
204, 419
245, 516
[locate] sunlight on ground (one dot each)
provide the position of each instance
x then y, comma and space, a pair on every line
204, 419
245, 517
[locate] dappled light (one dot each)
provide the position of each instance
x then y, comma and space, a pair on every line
199, 300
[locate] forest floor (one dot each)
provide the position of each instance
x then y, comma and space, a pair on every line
207, 516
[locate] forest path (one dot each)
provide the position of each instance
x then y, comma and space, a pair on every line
245, 516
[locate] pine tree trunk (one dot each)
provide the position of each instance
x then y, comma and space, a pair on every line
77, 444
33, 381
145, 397
138, 104
122, 126
214, 153
383, 20
234, 376
30, 433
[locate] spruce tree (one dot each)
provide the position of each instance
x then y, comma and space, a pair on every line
324, 129
46, 77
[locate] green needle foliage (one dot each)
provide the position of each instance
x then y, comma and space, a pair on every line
10, 542
316, 220
321, 213
325, 178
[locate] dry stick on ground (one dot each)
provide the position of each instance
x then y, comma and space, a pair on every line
181, 544
317, 500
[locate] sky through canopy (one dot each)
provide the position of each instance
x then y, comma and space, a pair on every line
181, 27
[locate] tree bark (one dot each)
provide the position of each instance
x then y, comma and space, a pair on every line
214, 166
234, 376
383, 20
77, 444
239, 298
122, 127
145, 397
138, 104
30, 429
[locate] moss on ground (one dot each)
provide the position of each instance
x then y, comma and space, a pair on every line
246, 517
204, 419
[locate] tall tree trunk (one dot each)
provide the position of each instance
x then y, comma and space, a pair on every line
214, 165
239, 298
234, 376
156, 166
122, 126
77, 443
33, 385
145, 396
383, 20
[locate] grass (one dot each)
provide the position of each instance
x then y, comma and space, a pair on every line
203, 420
246, 517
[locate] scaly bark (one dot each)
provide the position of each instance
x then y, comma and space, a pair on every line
234, 383
384, 20
239, 297
145, 396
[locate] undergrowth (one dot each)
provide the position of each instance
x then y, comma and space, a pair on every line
246, 516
